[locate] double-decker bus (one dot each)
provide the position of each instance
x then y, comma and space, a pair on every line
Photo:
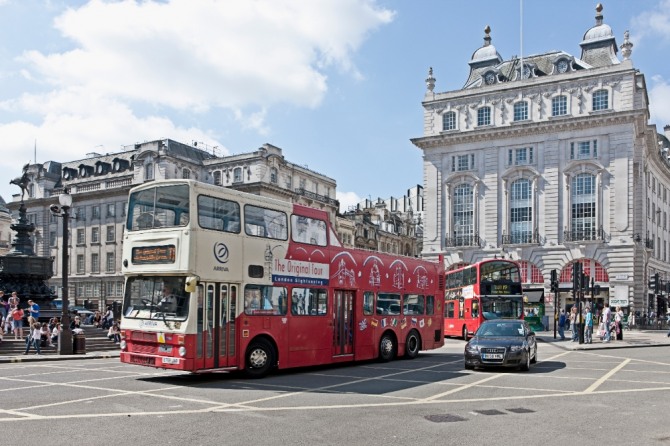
218, 279
490, 289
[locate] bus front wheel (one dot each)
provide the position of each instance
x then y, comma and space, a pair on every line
412, 345
260, 358
386, 348
465, 333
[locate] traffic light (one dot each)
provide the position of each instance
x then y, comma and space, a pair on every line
657, 283
576, 275
585, 281
554, 281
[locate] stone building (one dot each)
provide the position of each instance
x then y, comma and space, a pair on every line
99, 186
550, 159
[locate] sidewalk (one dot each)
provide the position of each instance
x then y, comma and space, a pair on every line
56, 357
631, 339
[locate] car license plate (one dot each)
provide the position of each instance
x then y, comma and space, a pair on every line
492, 355
165, 349
170, 360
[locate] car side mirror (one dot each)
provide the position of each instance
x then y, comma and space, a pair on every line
531, 333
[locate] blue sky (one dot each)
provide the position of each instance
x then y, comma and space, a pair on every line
337, 84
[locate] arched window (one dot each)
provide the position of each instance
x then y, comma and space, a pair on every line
559, 106
521, 111
237, 175
449, 121
463, 214
186, 173
149, 171
521, 212
273, 175
583, 212
600, 100
484, 116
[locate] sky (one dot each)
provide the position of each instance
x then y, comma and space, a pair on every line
336, 84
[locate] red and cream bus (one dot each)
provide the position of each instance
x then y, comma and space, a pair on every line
490, 289
218, 279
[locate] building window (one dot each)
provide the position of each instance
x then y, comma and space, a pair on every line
237, 175
484, 116
217, 178
53, 238
81, 237
289, 181
584, 150
460, 163
273, 175
521, 212
463, 214
111, 262
81, 267
110, 233
95, 212
520, 157
111, 210
186, 173
149, 171
521, 111
303, 183
600, 100
559, 106
95, 263
583, 215
95, 235
80, 213
449, 121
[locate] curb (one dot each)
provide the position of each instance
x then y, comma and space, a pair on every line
604, 347
42, 358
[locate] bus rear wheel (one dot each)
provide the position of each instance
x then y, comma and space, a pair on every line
386, 348
465, 333
260, 358
412, 345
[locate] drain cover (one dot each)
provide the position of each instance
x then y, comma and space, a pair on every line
444, 418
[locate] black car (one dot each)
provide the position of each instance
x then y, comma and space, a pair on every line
502, 343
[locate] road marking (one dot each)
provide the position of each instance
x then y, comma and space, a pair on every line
604, 378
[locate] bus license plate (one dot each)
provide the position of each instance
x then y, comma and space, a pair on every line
170, 360
492, 355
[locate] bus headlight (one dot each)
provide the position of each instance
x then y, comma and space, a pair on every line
182, 351
123, 344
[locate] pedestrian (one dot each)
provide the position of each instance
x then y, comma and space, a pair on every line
114, 334
45, 335
3, 306
668, 322
33, 309
33, 338
606, 324
55, 332
631, 320
588, 329
618, 319
573, 324
14, 300
561, 325
17, 322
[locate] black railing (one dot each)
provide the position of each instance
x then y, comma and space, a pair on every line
578, 235
518, 238
463, 240
313, 196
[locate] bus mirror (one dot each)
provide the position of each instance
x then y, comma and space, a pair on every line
191, 283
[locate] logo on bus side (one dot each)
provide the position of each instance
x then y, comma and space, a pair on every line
221, 254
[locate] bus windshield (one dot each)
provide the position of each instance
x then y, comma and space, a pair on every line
158, 207
156, 298
499, 271
501, 307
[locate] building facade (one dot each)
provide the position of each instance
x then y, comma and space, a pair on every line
99, 186
550, 160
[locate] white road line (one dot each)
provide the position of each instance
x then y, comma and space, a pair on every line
604, 378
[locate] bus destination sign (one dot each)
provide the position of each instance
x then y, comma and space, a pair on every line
500, 288
153, 254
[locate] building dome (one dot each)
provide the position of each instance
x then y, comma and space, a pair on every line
597, 33
487, 52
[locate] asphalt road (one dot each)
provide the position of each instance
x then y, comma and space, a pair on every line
600, 397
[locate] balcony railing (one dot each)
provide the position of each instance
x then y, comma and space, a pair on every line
579, 235
519, 238
317, 197
463, 240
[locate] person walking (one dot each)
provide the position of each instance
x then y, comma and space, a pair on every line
573, 324
606, 323
17, 322
33, 310
588, 327
668, 322
34, 338
631, 320
618, 319
561, 325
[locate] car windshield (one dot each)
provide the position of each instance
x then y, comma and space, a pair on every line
511, 329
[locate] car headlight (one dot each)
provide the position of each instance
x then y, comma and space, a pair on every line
515, 348
472, 348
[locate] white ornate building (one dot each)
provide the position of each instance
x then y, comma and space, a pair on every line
550, 160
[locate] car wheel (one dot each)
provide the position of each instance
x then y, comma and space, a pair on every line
534, 360
386, 348
465, 333
526, 365
260, 359
412, 345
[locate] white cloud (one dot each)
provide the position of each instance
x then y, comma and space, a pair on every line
347, 200
654, 22
659, 102
134, 64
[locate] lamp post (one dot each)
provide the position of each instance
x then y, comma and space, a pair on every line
65, 336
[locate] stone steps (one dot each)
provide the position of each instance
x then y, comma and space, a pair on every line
96, 341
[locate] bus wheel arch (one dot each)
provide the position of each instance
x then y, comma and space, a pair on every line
388, 345
412, 344
260, 357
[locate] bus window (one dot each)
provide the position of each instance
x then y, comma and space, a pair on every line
388, 303
368, 303
267, 223
475, 309
309, 301
413, 304
308, 230
449, 309
430, 305
218, 214
164, 206
264, 300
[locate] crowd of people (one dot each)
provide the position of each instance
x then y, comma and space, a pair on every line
24, 324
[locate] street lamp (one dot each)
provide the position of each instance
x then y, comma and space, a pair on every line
65, 336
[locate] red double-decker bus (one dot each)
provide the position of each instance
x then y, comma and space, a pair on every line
218, 279
490, 289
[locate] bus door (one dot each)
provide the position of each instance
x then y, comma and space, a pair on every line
206, 340
343, 323
225, 329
